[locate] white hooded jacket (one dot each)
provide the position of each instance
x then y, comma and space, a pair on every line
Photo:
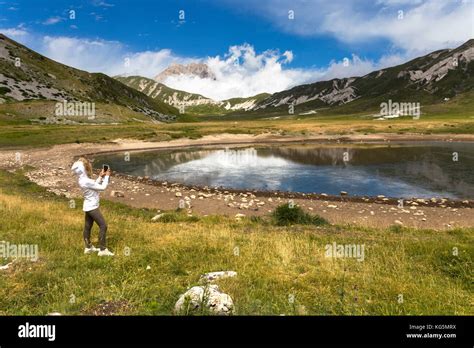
90, 187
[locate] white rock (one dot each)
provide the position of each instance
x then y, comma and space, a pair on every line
178, 194
117, 194
7, 266
208, 296
156, 217
213, 276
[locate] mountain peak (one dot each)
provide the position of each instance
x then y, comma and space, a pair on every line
192, 69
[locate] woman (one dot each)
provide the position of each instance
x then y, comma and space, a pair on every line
83, 169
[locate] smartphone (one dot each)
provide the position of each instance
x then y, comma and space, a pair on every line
105, 167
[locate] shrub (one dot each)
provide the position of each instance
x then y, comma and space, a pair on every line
285, 215
177, 216
4, 90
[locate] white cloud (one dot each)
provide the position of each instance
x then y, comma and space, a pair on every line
109, 57
289, 56
426, 25
52, 20
99, 3
14, 33
242, 73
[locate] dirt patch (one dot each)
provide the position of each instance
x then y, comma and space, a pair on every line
109, 308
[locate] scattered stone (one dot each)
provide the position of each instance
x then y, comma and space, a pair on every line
343, 193
213, 276
239, 216
398, 222
117, 194
178, 194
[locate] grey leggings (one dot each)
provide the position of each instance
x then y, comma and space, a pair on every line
90, 217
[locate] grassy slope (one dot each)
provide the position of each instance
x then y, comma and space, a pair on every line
80, 84
150, 88
273, 263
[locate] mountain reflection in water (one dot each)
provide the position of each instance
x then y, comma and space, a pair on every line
396, 170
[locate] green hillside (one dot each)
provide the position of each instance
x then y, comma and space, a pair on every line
26, 75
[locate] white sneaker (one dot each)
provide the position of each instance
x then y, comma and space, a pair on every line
91, 250
105, 252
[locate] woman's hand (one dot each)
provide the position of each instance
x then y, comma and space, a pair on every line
102, 173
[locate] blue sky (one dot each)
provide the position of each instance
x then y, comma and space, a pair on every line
267, 42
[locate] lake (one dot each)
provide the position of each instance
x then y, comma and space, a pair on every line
401, 170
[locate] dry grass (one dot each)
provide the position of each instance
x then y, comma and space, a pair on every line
273, 263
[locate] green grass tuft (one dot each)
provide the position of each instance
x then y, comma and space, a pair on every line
287, 214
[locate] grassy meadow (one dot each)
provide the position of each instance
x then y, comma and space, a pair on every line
18, 130
32, 135
404, 271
